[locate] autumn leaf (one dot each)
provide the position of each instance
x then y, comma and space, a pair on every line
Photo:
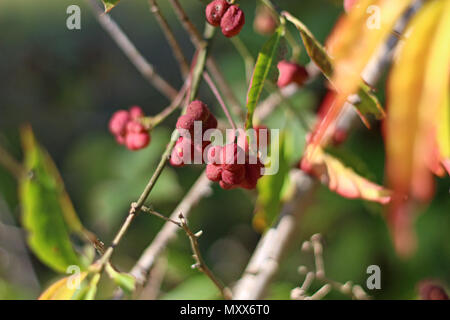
367, 103
63, 289
418, 98
43, 205
352, 43
341, 179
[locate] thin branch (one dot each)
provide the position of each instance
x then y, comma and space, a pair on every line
136, 206
128, 48
160, 117
200, 263
219, 99
193, 238
170, 36
200, 189
264, 262
194, 34
212, 66
300, 293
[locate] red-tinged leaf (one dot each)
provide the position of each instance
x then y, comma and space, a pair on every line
368, 102
341, 179
415, 96
352, 43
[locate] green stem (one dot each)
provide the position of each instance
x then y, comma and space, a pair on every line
137, 206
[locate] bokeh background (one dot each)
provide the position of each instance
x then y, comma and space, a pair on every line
66, 84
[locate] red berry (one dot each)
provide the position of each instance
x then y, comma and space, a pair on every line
214, 154
136, 112
431, 291
252, 174
232, 21
234, 177
226, 186
136, 141
214, 172
185, 121
135, 127
349, 4
118, 122
215, 11
198, 110
211, 122
233, 157
291, 73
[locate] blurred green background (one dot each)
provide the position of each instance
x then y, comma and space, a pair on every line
66, 84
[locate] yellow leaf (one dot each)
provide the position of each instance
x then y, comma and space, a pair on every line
352, 43
63, 289
341, 179
417, 88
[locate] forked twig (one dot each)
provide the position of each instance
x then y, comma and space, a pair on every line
315, 246
193, 238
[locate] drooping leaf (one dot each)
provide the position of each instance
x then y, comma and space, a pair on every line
341, 179
368, 102
415, 96
352, 43
313, 47
63, 289
110, 4
264, 62
43, 211
270, 187
124, 280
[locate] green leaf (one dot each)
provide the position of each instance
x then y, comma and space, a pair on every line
262, 67
313, 47
43, 201
369, 103
109, 4
270, 191
124, 280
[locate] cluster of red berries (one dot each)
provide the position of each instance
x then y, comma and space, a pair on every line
230, 166
290, 72
230, 18
196, 111
128, 130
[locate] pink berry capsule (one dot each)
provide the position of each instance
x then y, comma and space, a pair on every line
291, 73
118, 122
232, 21
215, 11
234, 177
186, 122
136, 141
198, 110
136, 112
213, 172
